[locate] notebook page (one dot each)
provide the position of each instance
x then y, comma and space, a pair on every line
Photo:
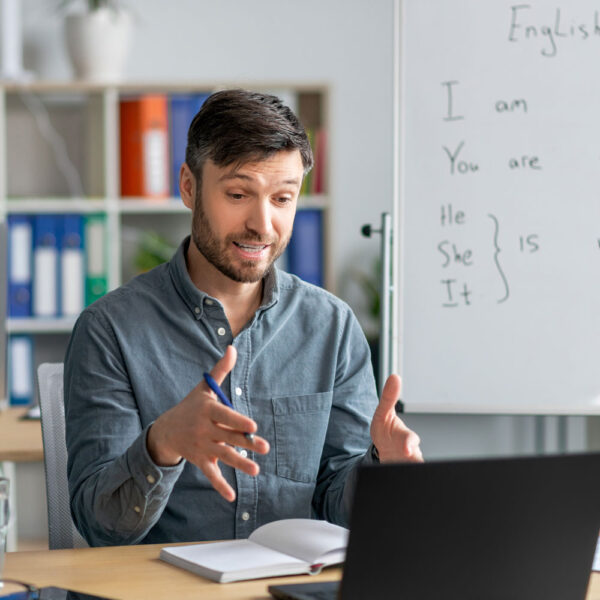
232, 556
596, 563
307, 539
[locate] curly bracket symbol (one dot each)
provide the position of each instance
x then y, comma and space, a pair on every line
498, 250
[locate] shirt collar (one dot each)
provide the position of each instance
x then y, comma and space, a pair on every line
195, 298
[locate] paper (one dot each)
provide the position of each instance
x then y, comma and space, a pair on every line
596, 562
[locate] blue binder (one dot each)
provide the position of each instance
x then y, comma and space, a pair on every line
183, 109
305, 251
19, 265
72, 266
20, 360
45, 265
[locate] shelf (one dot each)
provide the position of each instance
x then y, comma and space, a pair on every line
56, 86
320, 201
78, 172
143, 205
50, 326
127, 207
54, 205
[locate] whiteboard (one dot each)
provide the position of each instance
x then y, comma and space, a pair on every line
498, 215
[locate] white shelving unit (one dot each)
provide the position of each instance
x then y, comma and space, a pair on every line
86, 119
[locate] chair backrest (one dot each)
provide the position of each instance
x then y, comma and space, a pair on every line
61, 529
3, 302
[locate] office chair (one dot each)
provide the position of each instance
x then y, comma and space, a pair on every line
61, 529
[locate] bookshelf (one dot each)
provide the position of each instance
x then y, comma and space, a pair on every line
60, 155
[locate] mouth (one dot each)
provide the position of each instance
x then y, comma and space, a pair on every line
251, 251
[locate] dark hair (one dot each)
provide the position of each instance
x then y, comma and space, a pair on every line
237, 126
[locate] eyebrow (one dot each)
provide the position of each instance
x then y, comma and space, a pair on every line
234, 175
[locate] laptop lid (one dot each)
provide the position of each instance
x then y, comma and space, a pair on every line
499, 529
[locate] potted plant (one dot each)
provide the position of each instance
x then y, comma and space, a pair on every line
97, 35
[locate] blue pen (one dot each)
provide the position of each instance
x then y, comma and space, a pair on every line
214, 386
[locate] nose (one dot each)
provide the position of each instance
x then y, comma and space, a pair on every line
259, 220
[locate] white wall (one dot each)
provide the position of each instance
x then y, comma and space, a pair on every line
346, 44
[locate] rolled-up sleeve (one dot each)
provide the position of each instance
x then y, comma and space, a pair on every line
117, 492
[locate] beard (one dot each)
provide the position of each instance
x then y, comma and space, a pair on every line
217, 251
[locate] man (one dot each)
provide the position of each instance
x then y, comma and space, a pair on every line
153, 455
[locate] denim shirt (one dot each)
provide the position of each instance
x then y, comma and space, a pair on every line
303, 373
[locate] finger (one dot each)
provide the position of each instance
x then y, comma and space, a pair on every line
238, 439
225, 365
230, 456
412, 444
219, 483
222, 415
417, 455
390, 394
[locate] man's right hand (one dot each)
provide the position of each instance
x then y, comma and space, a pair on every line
204, 432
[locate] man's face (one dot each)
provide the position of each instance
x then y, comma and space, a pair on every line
243, 215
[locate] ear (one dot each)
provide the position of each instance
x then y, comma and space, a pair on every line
187, 186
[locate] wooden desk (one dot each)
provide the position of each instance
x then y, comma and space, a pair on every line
134, 573
20, 441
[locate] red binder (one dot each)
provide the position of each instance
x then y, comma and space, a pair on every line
144, 146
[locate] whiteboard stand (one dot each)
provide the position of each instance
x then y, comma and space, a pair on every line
385, 292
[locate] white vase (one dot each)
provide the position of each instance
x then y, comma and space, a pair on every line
98, 43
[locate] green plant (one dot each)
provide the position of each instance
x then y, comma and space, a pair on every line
153, 250
370, 283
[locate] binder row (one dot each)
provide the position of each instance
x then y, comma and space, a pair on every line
153, 135
304, 255
153, 138
57, 264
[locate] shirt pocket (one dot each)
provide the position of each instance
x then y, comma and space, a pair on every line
300, 427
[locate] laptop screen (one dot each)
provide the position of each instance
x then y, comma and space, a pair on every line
518, 528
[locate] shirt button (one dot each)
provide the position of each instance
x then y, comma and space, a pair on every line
209, 302
243, 453
221, 331
238, 391
137, 509
197, 310
245, 516
150, 479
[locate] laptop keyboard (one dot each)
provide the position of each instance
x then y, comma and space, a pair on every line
326, 590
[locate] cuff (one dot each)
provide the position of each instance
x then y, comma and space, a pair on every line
145, 472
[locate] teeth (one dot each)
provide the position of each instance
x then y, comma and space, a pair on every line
251, 248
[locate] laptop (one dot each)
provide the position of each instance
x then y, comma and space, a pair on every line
489, 529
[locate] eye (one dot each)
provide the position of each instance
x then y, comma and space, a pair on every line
236, 196
283, 200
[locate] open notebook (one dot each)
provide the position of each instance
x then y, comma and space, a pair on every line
286, 547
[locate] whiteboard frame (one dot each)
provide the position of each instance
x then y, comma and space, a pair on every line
398, 195
397, 342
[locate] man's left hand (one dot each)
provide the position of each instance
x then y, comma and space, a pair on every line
394, 441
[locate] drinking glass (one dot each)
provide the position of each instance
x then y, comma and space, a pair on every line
4, 517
